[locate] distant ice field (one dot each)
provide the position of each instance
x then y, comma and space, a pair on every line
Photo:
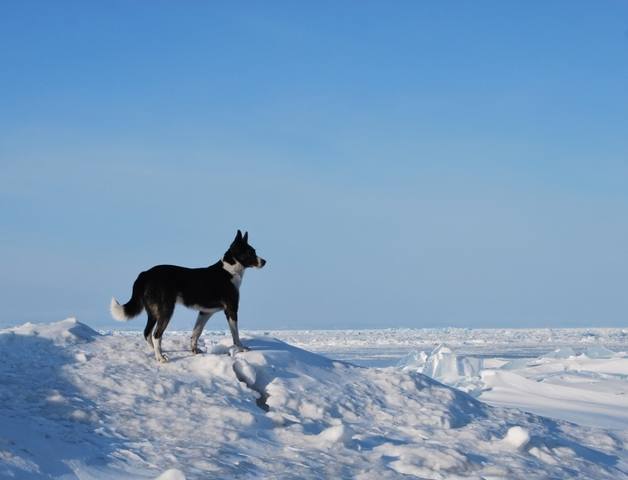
385, 347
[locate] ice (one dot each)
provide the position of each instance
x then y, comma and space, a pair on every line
598, 351
244, 372
171, 474
590, 389
564, 352
413, 361
444, 365
517, 437
334, 434
78, 405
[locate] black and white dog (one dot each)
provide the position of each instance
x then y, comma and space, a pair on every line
207, 290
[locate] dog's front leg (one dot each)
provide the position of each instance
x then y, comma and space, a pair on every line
232, 320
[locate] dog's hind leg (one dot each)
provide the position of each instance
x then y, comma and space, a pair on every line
164, 314
162, 323
148, 331
201, 320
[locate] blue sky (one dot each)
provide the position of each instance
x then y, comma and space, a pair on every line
399, 164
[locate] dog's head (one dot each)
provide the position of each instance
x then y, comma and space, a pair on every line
244, 253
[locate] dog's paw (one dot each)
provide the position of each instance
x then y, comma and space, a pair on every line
235, 349
196, 350
163, 358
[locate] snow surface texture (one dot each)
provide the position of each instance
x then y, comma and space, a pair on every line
76, 404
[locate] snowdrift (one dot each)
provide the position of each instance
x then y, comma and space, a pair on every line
588, 388
76, 404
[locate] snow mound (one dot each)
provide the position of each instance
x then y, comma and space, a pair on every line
105, 409
65, 332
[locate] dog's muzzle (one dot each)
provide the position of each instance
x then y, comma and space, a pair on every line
260, 262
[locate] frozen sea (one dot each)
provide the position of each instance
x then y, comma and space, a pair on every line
395, 403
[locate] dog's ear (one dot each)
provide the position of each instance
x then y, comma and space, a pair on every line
238, 236
246, 237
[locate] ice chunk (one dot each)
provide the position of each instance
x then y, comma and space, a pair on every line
334, 434
599, 351
444, 365
172, 474
517, 437
80, 356
471, 366
414, 361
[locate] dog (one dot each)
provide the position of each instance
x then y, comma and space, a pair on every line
207, 290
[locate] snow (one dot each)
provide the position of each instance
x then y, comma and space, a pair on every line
443, 364
75, 403
65, 332
560, 384
517, 437
172, 474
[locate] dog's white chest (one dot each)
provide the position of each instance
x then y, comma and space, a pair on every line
237, 272
236, 279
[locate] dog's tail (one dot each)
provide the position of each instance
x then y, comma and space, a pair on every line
134, 306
